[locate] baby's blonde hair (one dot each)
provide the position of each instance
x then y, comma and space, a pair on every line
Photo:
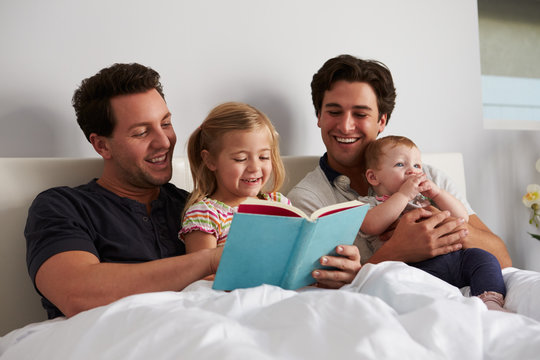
223, 118
375, 149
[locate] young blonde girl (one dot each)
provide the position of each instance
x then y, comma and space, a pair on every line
232, 155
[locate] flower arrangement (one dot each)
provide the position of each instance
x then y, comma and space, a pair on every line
532, 200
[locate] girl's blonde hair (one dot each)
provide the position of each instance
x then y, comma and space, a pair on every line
375, 149
222, 119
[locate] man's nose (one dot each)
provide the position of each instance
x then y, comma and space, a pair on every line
347, 123
161, 139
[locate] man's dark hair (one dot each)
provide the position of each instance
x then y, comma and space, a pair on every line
352, 69
92, 99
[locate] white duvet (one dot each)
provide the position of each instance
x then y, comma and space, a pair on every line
390, 311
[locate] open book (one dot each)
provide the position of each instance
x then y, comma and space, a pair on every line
277, 244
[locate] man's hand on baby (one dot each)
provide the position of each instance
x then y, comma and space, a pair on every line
429, 232
461, 225
423, 233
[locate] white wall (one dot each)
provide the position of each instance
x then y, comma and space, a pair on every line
265, 53
509, 37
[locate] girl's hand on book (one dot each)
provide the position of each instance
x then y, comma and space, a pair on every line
347, 266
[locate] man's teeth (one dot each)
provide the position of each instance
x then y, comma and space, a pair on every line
346, 140
158, 159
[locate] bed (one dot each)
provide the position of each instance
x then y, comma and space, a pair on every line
390, 310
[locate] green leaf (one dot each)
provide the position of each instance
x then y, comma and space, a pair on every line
537, 237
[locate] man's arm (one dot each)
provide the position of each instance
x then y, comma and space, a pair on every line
75, 281
480, 236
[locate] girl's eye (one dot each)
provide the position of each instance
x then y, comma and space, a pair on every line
264, 157
240, 160
399, 164
418, 166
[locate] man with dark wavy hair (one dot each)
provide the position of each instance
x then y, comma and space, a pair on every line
117, 235
353, 100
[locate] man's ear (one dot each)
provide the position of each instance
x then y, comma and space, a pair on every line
319, 119
101, 145
208, 160
371, 177
382, 123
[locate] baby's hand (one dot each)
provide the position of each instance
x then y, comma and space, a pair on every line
413, 186
429, 189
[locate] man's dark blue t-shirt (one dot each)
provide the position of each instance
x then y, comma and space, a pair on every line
93, 219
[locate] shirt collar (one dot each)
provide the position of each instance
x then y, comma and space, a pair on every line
330, 173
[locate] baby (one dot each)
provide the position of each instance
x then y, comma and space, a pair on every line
398, 183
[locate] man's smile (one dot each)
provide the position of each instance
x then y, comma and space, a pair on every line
158, 159
346, 140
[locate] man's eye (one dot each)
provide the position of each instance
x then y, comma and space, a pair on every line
334, 113
140, 134
166, 125
360, 115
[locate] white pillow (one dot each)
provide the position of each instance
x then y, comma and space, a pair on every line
522, 291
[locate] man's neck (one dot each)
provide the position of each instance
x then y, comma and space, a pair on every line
358, 182
355, 175
142, 195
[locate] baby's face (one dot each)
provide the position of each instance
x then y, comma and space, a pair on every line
396, 165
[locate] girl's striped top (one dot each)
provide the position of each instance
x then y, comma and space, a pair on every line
214, 217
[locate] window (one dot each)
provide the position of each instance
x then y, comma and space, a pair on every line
510, 61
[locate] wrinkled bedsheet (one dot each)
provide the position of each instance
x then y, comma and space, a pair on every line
390, 311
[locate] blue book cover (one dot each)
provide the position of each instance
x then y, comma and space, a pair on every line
277, 244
